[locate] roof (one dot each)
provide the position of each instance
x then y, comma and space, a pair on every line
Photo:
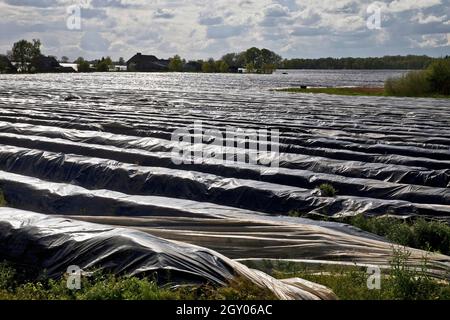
142, 58
6, 65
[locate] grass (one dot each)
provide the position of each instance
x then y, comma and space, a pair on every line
362, 91
14, 286
412, 84
398, 282
359, 91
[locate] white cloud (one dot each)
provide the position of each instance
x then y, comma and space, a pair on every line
433, 41
424, 19
276, 11
163, 14
405, 5
203, 28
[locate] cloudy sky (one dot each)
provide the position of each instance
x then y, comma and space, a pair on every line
204, 28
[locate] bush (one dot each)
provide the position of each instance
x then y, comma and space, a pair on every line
434, 235
435, 80
438, 76
408, 283
83, 66
398, 282
15, 286
412, 84
327, 190
417, 233
420, 234
102, 66
7, 276
3, 202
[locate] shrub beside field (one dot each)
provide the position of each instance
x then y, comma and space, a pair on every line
435, 80
412, 84
419, 233
431, 82
415, 233
327, 190
399, 282
14, 286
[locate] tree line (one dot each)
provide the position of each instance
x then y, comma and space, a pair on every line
264, 61
386, 62
254, 60
26, 56
99, 65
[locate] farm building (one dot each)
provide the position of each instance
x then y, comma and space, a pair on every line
147, 63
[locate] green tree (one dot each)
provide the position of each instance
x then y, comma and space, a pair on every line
64, 59
270, 61
250, 67
240, 60
176, 64
234, 60
253, 58
121, 61
3, 65
209, 66
103, 65
108, 61
83, 65
230, 59
222, 66
23, 52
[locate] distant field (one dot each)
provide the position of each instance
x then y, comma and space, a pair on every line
350, 91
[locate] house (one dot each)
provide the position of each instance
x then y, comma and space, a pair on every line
73, 66
6, 66
233, 69
46, 64
193, 66
145, 63
117, 68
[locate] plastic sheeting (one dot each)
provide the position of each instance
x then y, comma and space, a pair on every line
54, 244
237, 233
154, 151
106, 158
97, 173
